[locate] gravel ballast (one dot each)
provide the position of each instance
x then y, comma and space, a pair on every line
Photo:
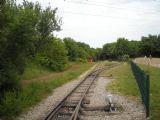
132, 110
39, 111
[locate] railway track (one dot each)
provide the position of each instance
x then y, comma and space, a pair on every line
69, 107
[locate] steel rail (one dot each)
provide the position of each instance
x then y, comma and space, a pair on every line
75, 113
55, 111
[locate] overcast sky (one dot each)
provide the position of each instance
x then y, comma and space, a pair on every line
97, 22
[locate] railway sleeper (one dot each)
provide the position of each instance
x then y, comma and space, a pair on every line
86, 102
63, 117
74, 98
70, 105
65, 114
96, 108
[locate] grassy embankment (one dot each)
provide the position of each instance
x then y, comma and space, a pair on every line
35, 89
125, 84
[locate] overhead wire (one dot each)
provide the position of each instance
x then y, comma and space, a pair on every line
88, 14
106, 3
96, 15
110, 6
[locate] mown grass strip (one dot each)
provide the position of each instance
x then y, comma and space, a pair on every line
154, 91
15, 103
124, 80
125, 83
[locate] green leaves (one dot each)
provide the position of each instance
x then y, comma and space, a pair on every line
78, 50
150, 45
147, 46
26, 32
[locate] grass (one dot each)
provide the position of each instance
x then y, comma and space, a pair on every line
33, 71
154, 91
125, 84
124, 80
110, 63
15, 103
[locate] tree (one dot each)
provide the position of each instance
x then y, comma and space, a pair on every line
108, 51
56, 57
24, 31
134, 47
150, 45
48, 23
72, 48
122, 47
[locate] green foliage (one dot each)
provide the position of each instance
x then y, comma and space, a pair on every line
34, 70
108, 51
122, 47
79, 50
72, 48
154, 91
124, 82
9, 79
124, 57
25, 30
16, 102
146, 47
134, 47
55, 57
150, 45
26, 36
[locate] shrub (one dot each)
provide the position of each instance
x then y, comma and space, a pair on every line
9, 78
124, 58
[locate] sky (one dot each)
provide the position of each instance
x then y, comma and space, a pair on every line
97, 22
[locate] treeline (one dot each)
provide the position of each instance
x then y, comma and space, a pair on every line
124, 48
78, 51
26, 36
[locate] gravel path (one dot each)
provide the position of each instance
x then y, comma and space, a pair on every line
132, 109
39, 111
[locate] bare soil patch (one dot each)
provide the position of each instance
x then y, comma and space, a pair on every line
155, 62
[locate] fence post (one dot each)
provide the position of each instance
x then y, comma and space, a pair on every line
148, 95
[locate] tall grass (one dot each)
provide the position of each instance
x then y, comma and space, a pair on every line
14, 103
33, 71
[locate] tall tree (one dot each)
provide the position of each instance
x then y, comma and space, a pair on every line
122, 47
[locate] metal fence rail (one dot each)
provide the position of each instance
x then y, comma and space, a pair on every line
144, 85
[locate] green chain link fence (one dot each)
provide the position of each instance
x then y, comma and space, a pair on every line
143, 83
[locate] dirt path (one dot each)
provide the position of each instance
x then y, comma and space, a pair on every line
155, 62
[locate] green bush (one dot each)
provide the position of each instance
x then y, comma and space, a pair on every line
10, 105
13, 102
9, 78
124, 58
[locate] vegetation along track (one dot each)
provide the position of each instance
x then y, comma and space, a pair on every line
69, 107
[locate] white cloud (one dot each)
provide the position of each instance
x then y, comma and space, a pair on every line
106, 20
